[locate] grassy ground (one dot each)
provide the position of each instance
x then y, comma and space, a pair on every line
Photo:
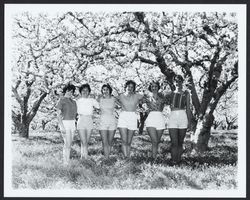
37, 164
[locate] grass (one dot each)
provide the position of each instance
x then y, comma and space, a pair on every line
37, 164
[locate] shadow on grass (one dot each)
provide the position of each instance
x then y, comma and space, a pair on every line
144, 138
57, 140
220, 154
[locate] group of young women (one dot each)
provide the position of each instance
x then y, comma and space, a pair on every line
84, 106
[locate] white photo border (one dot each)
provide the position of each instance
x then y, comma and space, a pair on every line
240, 9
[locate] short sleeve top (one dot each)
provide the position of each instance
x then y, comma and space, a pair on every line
85, 106
107, 106
68, 108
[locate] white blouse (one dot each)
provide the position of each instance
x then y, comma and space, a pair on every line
85, 106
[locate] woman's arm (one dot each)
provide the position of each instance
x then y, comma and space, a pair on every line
59, 117
96, 104
117, 101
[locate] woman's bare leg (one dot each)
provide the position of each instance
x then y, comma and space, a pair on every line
174, 143
104, 135
111, 134
67, 137
154, 140
159, 135
129, 141
181, 136
84, 146
124, 138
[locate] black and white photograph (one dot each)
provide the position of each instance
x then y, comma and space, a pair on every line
122, 100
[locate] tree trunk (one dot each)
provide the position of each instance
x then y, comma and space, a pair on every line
143, 117
23, 129
202, 133
22, 120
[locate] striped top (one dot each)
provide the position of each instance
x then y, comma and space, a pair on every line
178, 100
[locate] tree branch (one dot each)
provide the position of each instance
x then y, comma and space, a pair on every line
220, 91
148, 61
35, 107
81, 22
203, 37
18, 98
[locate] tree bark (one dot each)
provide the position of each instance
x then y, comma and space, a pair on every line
23, 129
202, 133
205, 132
143, 117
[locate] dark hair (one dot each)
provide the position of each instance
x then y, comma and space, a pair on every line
178, 78
69, 87
107, 86
154, 82
130, 82
86, 85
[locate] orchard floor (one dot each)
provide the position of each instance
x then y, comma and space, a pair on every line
37, 164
